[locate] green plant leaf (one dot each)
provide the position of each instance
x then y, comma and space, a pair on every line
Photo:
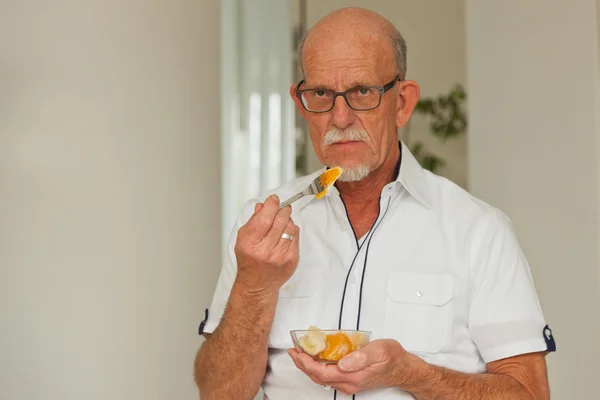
447, 119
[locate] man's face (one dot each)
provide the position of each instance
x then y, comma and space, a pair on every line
358, 141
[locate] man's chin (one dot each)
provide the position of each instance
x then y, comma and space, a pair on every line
354, 173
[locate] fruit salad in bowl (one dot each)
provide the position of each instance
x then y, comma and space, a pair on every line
329, 345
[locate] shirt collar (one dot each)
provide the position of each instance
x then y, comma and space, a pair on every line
412, 176
409, 174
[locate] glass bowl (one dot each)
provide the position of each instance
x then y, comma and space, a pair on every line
328, 346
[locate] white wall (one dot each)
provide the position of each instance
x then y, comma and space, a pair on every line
110, 211
533, 79
436, 60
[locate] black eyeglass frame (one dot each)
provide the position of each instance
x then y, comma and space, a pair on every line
380, 89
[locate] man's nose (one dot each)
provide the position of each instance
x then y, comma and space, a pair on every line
342, 114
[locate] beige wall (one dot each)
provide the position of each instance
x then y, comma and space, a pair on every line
110, 212
533, 74
436, 60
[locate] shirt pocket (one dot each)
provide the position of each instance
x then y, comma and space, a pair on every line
419, 310
297, 307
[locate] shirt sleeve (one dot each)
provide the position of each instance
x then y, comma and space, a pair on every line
227, 276
505, 316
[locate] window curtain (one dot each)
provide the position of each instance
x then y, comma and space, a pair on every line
257, 113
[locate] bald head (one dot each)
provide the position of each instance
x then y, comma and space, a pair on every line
355, 30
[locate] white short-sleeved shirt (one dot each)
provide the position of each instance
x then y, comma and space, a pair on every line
441, 272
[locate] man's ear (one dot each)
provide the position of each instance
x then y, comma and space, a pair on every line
408, 93
297, 101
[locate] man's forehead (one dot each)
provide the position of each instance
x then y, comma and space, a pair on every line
338, 80
352, 42
352, 67
360, 55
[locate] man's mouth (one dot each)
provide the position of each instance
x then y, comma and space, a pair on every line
347, 142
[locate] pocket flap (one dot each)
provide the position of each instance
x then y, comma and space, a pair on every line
416, 288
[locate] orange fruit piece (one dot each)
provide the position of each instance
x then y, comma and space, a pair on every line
338, 345
327, 179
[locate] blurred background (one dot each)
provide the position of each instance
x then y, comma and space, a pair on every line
131, 132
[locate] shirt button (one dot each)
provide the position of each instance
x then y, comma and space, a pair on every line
352, 280
288, 288
419, 293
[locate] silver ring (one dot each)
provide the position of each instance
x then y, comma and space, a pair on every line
287, 236
327, 387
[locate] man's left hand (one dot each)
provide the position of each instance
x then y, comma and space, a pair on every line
381, 363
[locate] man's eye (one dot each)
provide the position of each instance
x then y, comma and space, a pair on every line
319, 93
363, 91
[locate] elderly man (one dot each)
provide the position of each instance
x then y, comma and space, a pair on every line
435, 274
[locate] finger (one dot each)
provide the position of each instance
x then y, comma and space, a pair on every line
297, 359
292, 230
329, 374
361, 359
294, 356
253, 217
290, 227
260, 223
257, 208
279, 224
355, 361
288, 248
294, 247
325, 375
293, 352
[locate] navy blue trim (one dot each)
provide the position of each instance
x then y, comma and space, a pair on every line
359, 247
362, 278
346, 286
203, 323
549, 338
399, 163
367, 238
350, 223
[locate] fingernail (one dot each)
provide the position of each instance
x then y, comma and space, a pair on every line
345, 364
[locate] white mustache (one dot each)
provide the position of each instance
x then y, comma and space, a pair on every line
335, 135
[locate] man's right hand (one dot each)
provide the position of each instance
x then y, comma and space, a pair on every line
265, 260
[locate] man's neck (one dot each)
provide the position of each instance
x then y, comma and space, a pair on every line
367, 190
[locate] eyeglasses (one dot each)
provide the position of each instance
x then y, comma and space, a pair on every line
360, 98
